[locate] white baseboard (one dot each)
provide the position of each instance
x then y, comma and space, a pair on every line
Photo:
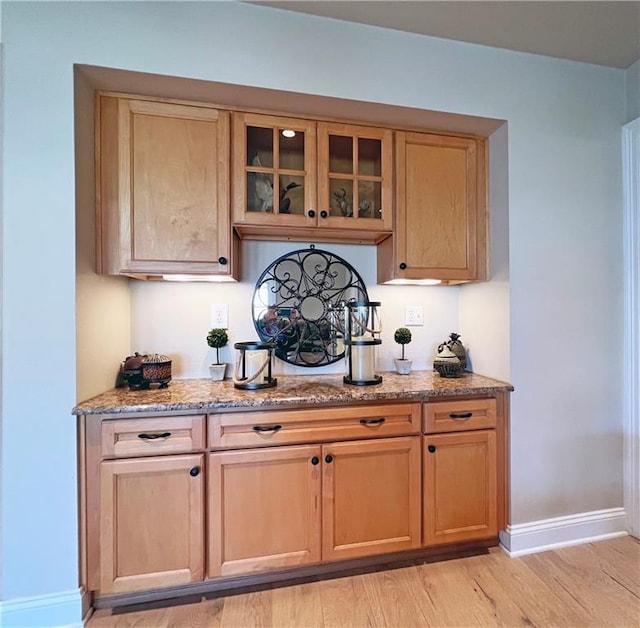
548, 534
53, 609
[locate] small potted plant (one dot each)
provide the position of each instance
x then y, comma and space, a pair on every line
402, 336
217, 338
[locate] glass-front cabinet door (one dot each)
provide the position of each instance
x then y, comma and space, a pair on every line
355, 173
274, 170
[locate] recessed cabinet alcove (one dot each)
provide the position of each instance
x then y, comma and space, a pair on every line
178, 183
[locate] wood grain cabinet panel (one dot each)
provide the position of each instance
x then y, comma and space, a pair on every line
228, 430
163, 189
441, 222
460, 487
122, 438
371, 497
151, 523
459, 415
264, 509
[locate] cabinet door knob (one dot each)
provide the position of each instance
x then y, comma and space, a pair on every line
154, 436
311, 213
223, 260
194, 472
379, 421
461, 415
432, 449
266, 428
323, 214
403, 266
315, 460
328, 459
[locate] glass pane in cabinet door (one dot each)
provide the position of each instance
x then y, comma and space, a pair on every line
370, 199
259, 192
341, 197
369, 157
291, 149
259, 147
291, 195
340, 154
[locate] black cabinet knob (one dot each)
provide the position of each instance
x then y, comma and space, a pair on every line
194, 472
432, 449
312, 213
223, 260
403, 266
328, 459
323, 214
315, 460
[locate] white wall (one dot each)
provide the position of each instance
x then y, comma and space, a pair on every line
564, 204
632, 77
173, 318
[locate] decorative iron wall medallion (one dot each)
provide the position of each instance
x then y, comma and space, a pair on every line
298, 303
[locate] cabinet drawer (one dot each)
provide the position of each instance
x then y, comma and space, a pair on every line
453, 416
279, 427
150, 437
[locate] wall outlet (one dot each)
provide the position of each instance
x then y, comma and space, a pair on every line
414, 315
220, 315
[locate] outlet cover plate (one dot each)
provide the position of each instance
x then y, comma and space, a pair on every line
220, 315
414, 316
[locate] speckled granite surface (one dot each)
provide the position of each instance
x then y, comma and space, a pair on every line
311, 390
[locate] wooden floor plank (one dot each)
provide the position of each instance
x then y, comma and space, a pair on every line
297, 605
603, 601
351, 602
595, 584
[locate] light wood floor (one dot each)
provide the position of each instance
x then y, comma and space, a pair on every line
596, 584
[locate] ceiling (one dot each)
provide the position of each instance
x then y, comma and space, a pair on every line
602, 33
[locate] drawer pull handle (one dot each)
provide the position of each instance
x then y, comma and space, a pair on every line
154, 436
262, 428
461, 415
379, 421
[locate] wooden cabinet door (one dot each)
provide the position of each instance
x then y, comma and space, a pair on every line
264, 510
163, 182
151, 523
460, 487
441, 218
274, 172
371, 494
355, 178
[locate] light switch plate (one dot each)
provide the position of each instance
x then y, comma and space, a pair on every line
220, 315
414, 316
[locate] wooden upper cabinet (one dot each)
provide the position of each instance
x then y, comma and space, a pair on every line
296, 179
273, 153
441, 221
355, 178
163, 189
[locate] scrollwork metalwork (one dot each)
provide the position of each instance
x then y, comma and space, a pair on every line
298, 303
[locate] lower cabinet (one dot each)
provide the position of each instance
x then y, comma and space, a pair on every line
151, 522
460, 487
289, 506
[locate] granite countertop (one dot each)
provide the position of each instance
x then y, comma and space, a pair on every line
299, 390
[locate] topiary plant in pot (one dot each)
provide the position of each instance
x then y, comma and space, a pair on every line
402, 336
217, 338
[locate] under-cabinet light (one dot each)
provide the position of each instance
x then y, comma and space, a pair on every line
289, 133
414, 282
214, 278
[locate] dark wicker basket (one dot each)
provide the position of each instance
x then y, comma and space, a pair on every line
448, 369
